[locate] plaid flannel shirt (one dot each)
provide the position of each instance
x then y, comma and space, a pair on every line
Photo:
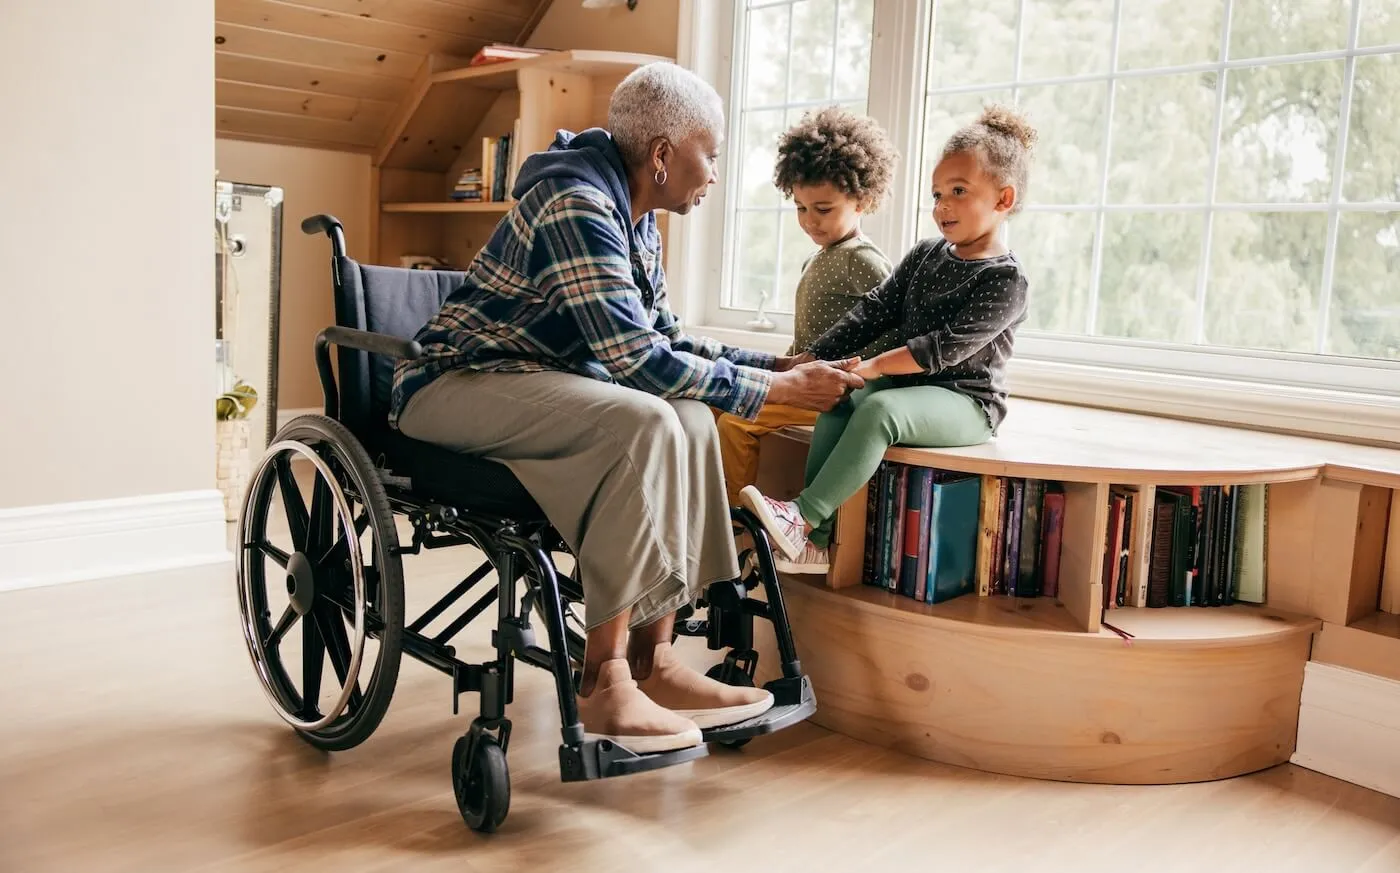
561, 287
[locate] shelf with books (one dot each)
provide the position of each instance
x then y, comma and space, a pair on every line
443, 174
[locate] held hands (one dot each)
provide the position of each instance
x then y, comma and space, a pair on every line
818, 385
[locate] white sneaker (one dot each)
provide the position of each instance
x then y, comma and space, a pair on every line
812, 560
780, 518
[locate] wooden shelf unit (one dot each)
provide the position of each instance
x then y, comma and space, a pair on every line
1090, 452
438, 132
1038, 686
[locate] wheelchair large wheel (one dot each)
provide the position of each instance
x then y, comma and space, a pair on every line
331, 573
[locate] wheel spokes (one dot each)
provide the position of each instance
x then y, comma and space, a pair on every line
321, 531
292, 503
338, 647
340, 551
284, 624
272, 552
313, 660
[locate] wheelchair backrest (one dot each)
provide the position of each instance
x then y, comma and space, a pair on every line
388, 300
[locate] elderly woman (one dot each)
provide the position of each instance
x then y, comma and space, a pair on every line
559, 358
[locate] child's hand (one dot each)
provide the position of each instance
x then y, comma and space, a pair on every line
868, 369
783, 364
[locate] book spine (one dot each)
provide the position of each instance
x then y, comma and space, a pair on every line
990, 516
1125, 551
887, 524
909, 582
1027, 573
1012, 564
1052, 538
872, 522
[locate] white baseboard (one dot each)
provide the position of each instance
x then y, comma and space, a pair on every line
286, 415
1349, 727
94, 539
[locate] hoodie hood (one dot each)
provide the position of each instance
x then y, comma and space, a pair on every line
590, 156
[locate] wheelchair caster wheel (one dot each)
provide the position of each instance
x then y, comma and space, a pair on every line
481, 783
730, 675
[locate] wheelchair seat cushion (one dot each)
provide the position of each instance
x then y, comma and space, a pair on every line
463, 481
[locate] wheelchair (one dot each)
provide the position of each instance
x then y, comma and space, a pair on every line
342, 570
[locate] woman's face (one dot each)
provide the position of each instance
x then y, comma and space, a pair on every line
691, 168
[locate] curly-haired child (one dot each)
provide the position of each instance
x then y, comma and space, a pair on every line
957, 302
836, 166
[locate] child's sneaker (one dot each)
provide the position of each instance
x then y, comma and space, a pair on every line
812, 560
780, 518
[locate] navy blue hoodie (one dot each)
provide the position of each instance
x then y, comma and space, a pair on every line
567, 283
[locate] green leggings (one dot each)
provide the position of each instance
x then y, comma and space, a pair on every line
850, 441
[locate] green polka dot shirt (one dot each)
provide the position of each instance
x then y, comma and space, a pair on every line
834, 280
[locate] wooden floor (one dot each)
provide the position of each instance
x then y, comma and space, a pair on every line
133, 737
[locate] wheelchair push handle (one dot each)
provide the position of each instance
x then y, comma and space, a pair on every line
331, 227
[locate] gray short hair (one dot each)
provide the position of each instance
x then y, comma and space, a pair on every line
661, 99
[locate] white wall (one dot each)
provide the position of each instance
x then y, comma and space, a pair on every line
106, 253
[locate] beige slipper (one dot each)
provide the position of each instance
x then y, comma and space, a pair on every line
617, 710
699, 698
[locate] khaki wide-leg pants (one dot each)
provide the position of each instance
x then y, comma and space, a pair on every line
632, 482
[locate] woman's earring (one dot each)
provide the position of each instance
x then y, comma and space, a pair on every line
660, 177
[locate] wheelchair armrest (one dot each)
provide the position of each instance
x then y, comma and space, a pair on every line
360, 340
366, 341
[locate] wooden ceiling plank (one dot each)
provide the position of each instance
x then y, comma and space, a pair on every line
338, 27
428, 15
285, 126
294, 102
520, 9
275, 45
319, 80
325, 145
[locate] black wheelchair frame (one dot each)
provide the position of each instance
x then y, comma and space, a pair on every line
344, 592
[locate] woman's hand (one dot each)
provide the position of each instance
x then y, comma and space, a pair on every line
787, 362
818, 385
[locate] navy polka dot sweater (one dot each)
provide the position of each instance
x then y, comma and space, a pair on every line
958, 318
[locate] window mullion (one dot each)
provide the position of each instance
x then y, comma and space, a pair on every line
1334, 217
1213, 174
1105, 156
898, 82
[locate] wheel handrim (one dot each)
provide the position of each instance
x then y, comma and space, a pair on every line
344, 519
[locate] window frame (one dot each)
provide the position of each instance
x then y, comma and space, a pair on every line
1357, 398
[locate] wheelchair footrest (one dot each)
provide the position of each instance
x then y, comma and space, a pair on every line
793, 701
603, 759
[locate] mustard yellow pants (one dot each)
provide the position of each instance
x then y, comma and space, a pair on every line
738, 441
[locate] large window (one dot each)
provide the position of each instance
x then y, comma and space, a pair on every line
1215, 175
798, 55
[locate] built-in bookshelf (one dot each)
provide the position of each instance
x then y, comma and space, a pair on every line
1116, 598
442, 176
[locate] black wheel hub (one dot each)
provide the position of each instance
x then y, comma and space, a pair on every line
301, 583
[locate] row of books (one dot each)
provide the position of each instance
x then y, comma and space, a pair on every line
494, 179
933, 535
921, 532
1205, 546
